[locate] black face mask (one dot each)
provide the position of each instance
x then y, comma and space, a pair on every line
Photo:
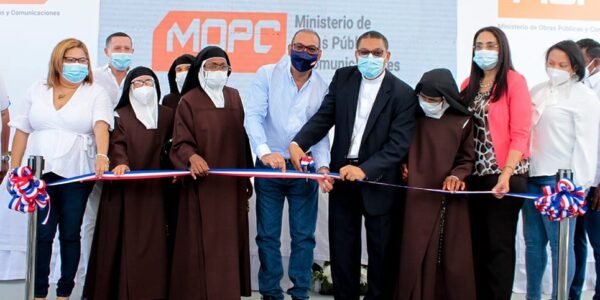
302, 61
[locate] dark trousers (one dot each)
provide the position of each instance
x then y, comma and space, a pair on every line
345, 223
68, 205
494, 227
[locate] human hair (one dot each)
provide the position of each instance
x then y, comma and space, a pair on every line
117, 34
587, 43
57, 58
503, 66
307, 30
575, 55
593, 53
373, 35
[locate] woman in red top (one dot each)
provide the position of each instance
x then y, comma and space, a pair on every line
500, 102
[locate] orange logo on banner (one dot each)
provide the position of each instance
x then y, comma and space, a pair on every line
23, 1
250, 39
550, 9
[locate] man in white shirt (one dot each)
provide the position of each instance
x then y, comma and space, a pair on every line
119, 51
4, 103
284, 96
590, 222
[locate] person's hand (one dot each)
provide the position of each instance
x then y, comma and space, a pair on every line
198, 166
120, 170
352, 173
595, 201
101, 165
296, 155
325, 183
453, 184
503, 185
4, 170
404, 172
274, 160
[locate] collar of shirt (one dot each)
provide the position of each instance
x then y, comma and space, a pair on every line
374, 81
593, 81
288, 65
106, 69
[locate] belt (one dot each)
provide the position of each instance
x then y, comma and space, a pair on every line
352, 161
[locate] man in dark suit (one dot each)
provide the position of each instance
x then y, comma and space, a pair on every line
373, 114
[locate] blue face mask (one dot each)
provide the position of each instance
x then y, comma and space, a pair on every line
74, 73
303, 61
486, 59
370, 66
120, 61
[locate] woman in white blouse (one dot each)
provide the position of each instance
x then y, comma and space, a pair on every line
566, 120
66, 119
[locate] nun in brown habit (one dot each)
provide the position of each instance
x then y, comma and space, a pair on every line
129, 253
176, 76
211, 255
436, 258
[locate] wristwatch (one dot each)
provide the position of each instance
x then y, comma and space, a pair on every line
5, 158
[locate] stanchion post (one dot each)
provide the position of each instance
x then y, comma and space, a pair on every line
563, 247
36, 163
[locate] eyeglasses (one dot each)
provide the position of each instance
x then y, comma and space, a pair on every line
72, 60
140, 83
362, 52
215, 67
309, 49
486, 46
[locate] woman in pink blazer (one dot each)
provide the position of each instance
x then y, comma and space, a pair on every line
500, 102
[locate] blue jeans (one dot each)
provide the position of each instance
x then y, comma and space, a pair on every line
590, 224
302, 202
68, 205
538, 230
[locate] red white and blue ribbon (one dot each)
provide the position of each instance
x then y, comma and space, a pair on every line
27, 192
258, 173
566, 201
153, 174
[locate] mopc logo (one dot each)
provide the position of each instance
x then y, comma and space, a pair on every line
550, 9
250, 39
23, 1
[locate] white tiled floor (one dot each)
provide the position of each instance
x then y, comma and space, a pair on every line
14, 290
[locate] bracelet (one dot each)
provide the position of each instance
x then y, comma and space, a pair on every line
507, 166
103, 155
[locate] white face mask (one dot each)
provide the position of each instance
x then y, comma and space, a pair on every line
433, 110
557, 76
215, 80
144, 95
179, 79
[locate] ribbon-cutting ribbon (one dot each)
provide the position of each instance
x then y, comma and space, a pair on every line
566, 201
258, 173
27, 192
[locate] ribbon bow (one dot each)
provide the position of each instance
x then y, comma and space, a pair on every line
566, 201
27, 192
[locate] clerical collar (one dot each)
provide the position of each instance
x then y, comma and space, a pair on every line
376, 80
